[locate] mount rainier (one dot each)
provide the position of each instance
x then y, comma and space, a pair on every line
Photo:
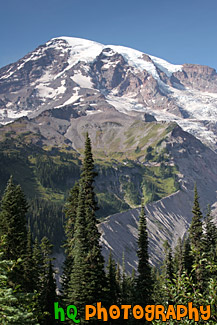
91, 77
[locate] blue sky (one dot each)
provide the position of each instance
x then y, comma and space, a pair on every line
178, 31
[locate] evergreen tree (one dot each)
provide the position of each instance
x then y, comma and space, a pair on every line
13, 221
48, 296
158, 287
124, 289
44, 277
13, 225
196, 230
70, 210
37, 265
144, 284
87, 279
188, 259
178, 258
95, 258
29, 284
113, 289
132, 287
118, 281
77, 293
70, 216
111, 281
46, 251
167, 276
196, 236
210, 236
15, 307
168, 262
88, 174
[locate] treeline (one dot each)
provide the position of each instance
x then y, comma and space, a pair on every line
28, 288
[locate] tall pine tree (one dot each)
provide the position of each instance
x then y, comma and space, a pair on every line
70, 210
210, 236
144, 284
77, 293
196, 230
28, 264
13, 220
188, 259
15, 307
87, 280
46, 282
13, 225
196, 235
112, 285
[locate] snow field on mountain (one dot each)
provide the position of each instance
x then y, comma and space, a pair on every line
87, 51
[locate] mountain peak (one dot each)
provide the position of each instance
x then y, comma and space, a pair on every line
89, 77
75, 41
88, 50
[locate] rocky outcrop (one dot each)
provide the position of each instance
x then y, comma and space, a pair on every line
199, 77
149, 118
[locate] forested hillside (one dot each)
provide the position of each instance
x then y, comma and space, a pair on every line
28, 289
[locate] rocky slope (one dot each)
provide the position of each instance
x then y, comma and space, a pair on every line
170, 217
89, 77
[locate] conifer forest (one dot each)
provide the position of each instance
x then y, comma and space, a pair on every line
30, 286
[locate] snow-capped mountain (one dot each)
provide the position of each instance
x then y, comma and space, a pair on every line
92, 77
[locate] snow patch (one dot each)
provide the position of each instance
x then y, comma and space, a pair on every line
125, 103
91, 112
14, 114
82, 81
72, 99
47, 92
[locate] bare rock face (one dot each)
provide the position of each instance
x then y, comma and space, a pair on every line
109, 70
149, 118
119, 232
197, 77
17, 79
